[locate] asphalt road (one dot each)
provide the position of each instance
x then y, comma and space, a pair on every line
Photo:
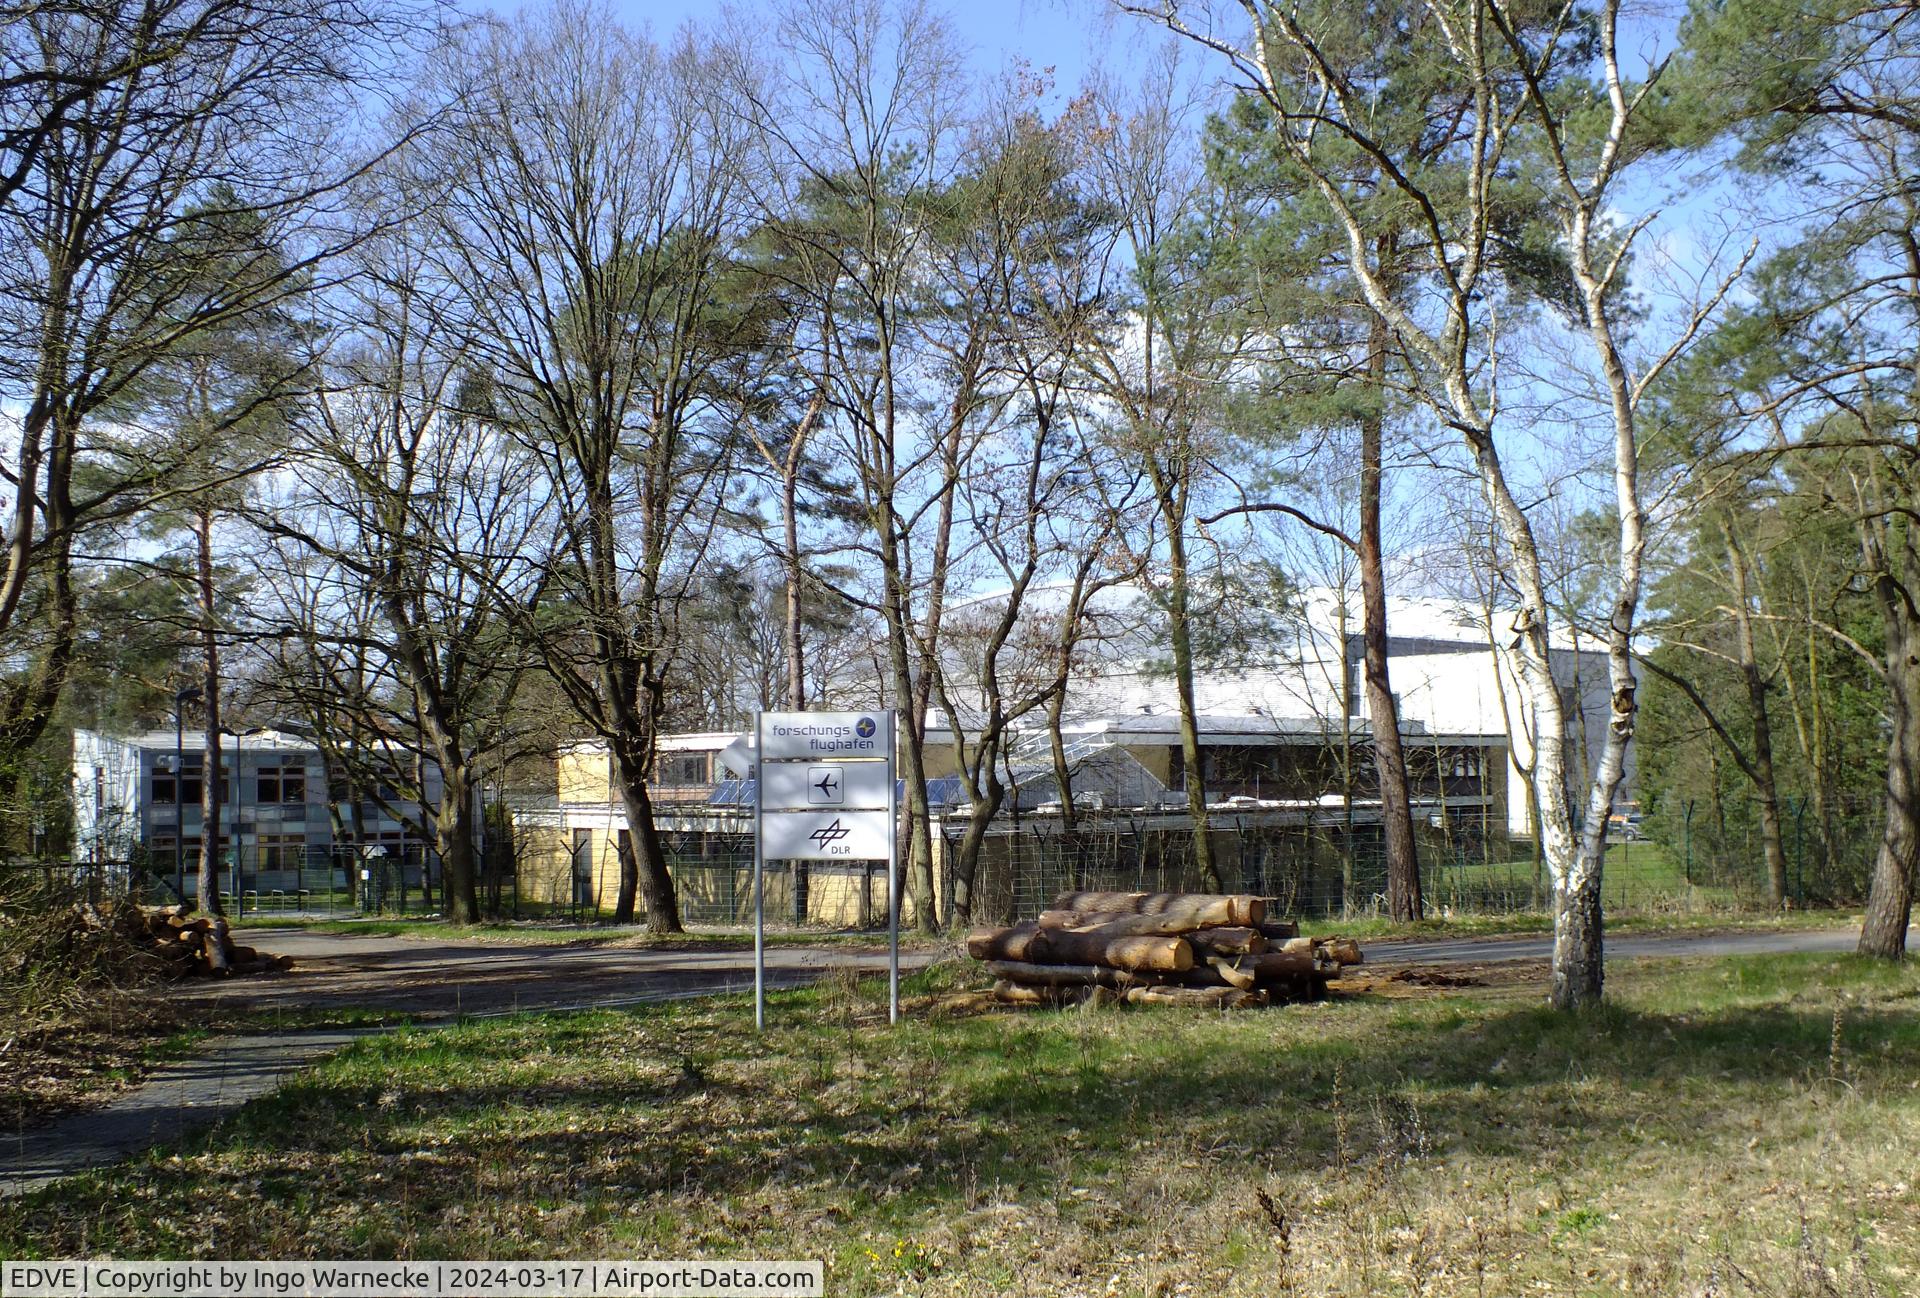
440, 976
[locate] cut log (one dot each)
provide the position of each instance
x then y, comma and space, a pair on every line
1117, 923
1205, 908
1012, 993
1035, 945
1229, 968
1224, 998
1227, 941
1059, 975
1281, 964
1302, 987
1001, 943
217, 949
1164, 953
1342, 950
1240, 973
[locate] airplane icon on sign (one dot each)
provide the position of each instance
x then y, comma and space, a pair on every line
824, 786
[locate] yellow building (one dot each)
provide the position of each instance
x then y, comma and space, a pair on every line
569, 851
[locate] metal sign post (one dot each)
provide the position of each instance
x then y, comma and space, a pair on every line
823, 790
893, 879
759, 889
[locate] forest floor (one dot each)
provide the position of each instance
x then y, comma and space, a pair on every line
1742, 1125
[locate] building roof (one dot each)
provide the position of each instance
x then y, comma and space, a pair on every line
1253, 729
194, 741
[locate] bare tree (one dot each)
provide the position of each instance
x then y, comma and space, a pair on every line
410, 499
1163, 365
859, 122
588, 232
1026, 250
1512, 76
173, 168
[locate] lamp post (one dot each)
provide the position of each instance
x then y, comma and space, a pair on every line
180, 700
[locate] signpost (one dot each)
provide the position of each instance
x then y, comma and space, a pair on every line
825, 792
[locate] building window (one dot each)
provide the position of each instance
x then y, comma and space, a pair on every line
681, 768
281, 784
281, 851
163, 790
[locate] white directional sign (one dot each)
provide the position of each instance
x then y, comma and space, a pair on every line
737, 757
822, 736
825, 792
824, 836
851, 786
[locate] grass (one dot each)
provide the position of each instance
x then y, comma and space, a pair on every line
1527, 923
1642, 875
1740, 1126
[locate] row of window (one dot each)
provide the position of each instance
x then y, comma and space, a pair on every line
272, 851
279, 851
272, 785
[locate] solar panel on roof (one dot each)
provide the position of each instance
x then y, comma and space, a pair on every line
731, 793
947, 791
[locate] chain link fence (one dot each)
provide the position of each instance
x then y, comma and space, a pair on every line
1330, 871
1719, 844
309, 882
1680, 856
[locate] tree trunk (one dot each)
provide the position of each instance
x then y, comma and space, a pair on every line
916, 840
1057, 751
966, 862
1180, 637
1890, 893
454, 843
1763, 778
1816, 750
27, 705
211, 783
926, 918
796, 574
644, 870
1389, 756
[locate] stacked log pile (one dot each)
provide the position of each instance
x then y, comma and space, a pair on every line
1159, 948
202, 947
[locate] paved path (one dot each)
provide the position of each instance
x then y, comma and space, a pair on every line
177, 1097
446, 977
467, 976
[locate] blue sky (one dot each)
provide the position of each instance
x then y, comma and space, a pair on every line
1070, 36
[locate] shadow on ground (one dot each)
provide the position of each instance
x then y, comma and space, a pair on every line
676, 1127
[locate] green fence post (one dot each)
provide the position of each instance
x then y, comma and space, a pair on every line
1687, 837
